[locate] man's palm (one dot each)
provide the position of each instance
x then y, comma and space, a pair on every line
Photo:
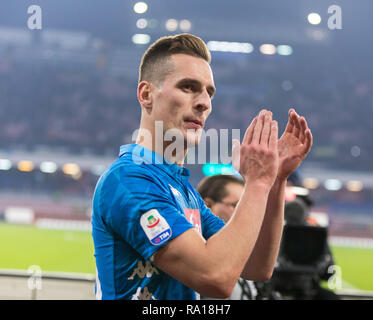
290, 151
294, 145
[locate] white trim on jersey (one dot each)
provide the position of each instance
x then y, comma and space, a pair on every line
98, 287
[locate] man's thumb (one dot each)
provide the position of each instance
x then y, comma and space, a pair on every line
236, 154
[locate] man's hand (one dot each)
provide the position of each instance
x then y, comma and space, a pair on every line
258, 155
294, 145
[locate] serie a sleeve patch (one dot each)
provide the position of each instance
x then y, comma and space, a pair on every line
155, 227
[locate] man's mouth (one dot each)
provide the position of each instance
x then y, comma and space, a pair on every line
194, 123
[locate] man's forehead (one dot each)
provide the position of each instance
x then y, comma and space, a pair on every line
187, 66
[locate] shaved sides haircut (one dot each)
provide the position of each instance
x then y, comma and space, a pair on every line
156, 63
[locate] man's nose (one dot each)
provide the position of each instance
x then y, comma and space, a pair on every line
203, 102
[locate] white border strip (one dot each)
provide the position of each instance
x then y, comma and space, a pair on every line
60, 224
351, 242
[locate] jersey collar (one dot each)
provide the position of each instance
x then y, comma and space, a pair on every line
145, 155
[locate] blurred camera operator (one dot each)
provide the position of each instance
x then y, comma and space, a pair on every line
221, 194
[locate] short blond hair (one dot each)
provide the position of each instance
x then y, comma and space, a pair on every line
154, 65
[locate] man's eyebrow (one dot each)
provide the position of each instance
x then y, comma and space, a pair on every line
210, 88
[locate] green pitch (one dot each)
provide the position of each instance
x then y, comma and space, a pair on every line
356, 267
52, 250
72, 251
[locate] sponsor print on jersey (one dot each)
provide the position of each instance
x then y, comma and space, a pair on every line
155, 227
144, 271
194, 217
143, 294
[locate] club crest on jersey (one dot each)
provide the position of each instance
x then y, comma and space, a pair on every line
155, 227
194, 217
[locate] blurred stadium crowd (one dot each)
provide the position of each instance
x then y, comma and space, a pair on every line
83, 101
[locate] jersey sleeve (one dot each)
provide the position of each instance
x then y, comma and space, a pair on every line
140, 210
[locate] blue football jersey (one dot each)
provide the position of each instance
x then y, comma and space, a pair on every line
140, 204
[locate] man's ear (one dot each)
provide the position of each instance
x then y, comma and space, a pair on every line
209, 202
144, 94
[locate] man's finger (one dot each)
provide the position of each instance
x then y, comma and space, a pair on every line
258, 128
236, 154
308, 141
249, 132
272, 143
297, 126
266, 131
303, 128
290, 125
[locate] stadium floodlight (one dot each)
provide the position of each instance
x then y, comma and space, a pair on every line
333, 184
354, 185
5, 164
355, 151
71, 169
314, 18
284, 50
141, 23
225, 46
316, 34
141, 38
267, 48
98, 169
152, 23
300, 191
287, 85
172, 24
310, 183
185, 25
140, 7
48, 167
25, 166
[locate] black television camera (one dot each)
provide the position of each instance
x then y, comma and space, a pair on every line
304, 256
302, 263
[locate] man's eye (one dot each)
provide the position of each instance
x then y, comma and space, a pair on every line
188, 87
